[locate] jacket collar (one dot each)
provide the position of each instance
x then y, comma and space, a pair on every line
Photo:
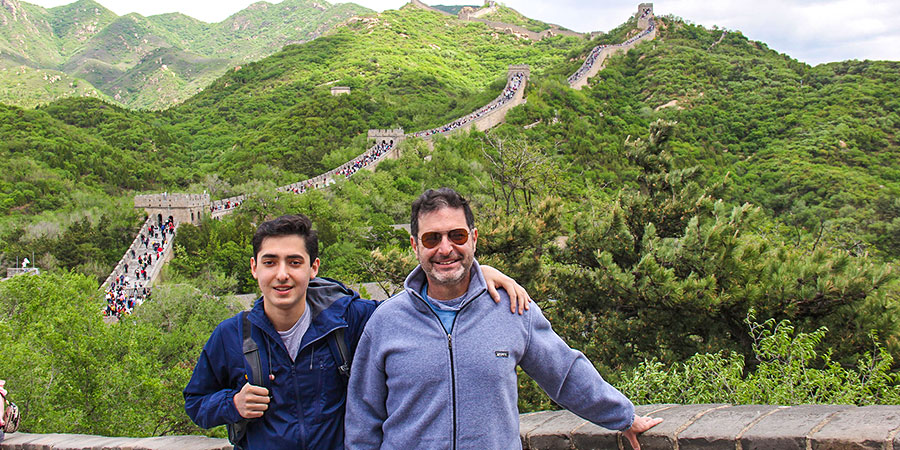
417, 278
326, 299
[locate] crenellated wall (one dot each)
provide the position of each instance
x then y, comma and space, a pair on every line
184, 208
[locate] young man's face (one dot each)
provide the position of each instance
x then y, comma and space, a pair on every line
447, 263
283, 270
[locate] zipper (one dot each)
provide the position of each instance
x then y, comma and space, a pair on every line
452, 360
452, 382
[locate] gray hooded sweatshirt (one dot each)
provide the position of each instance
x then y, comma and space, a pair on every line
414, 385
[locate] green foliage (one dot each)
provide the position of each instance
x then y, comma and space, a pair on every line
71, 373
790, 369
666, 271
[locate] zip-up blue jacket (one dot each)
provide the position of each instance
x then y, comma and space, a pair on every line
308, 395
414, 385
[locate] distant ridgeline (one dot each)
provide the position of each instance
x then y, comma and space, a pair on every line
189, 208
471, 14
83, 49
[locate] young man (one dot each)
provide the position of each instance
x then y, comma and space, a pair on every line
436, 365
300, 403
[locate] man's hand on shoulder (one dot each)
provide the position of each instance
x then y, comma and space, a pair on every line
640, 425
518, 296
252, 401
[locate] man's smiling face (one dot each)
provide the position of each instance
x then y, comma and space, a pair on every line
447, 264
283, 270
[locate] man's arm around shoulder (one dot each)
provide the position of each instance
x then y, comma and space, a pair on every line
570, 379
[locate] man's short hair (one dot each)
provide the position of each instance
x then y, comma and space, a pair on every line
433, 200
287, 225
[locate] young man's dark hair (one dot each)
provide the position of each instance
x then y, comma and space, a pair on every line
433, 200
287, 225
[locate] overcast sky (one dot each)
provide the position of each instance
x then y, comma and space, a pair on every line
813, 31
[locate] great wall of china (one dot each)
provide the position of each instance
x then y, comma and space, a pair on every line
189, 208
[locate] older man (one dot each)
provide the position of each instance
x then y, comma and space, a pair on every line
436, 364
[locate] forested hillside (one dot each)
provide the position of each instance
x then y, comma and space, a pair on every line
706, 212
83, 49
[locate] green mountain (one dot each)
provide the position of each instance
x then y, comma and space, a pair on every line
128, 58
76, 23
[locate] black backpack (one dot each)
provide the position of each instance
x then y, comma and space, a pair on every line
237, 430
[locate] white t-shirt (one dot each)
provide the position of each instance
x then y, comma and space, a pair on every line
292, 337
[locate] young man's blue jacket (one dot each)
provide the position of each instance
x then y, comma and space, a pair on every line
308, 395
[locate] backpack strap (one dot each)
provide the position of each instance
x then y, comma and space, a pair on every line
251, 352
237, 430
346, 359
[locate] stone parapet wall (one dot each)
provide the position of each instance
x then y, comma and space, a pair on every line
14, 271
27, 441
685, 427
720, 426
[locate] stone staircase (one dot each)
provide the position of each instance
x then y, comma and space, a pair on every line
140, 266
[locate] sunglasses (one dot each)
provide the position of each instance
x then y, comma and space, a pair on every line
432, 239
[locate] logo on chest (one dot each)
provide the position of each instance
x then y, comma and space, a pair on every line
501, 354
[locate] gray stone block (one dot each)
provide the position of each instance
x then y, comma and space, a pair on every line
181, 443
720, 428
594, 437
25, 441
675, 419
650, 410
44, 442
868, 427
18, 441
787, 428
85, 442
556, 433
529, 422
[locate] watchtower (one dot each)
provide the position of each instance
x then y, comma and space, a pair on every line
391, 137
516, 69
340, 90
645, 12
183, 208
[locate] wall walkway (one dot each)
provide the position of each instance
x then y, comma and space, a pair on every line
597, 57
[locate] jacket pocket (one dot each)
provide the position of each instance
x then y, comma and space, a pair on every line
331, 391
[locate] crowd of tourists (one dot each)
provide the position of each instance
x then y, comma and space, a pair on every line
225, 205
129, 286
508, 93
373, 154
595, 52
365, 159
